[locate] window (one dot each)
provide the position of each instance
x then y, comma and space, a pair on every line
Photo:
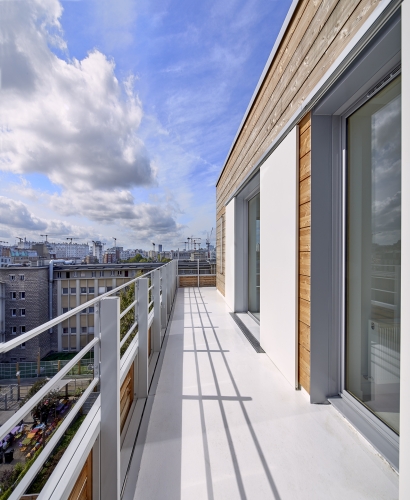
74, 274
22, 329
101, 289
90, 329
91, 309
13, 295
13, 330
23, 345
13, 360
22, 312
119, 273
254, 256
93, 274
65, 330
109, 288
373, 326
13, 312
73, 291
84, 311
22, 295
126, 274
21, 276
65, 291
67, 275
83, 289
59, 274
83, 329
112, 273
73, 329
23, 359
12, 277
65, 310
82, 274
101, 274
91, 289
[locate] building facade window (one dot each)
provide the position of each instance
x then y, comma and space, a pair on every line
22, 329
254, 256
73, 330
21, 277
83, 329
65, 291
12, 277
101, 274
91, 289
93, 274
373, 252
22, 295
22, 312
13, 295
65, 330
59, 274
13, 330
13, 312
74, 274
65, 310
23, 345
73, 290
83, 289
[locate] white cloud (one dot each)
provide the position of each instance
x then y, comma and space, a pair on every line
70, 120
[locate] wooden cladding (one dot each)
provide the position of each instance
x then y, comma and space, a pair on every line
126, 396
304, 253
192, 281
83, 486
315, 36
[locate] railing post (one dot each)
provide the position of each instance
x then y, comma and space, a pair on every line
110, 398
169, 286
142, 383
156, 324
164, 319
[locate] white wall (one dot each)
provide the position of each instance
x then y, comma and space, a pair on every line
230, 254
279, 256
405, 262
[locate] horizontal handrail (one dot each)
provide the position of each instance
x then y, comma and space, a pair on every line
11, 344
52, 443
31, 403
128, 334
128, 308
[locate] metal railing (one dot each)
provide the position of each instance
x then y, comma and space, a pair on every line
100, 430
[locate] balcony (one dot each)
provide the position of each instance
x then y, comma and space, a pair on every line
191, 410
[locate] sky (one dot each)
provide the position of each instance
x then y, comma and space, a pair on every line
116, 117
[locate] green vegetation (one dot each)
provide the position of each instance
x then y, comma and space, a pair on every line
127, 297
55, 356
42, 477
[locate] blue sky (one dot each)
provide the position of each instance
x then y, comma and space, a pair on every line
117, 116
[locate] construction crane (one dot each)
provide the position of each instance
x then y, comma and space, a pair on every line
21, 239
71, 239
196, 241
185, 243
115, 241
208, 242
6, 242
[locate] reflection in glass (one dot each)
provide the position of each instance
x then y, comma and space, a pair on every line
374, 254
254, 256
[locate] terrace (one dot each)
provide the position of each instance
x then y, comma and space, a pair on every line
192, 410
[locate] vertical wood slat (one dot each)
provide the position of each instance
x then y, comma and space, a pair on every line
82, 489
126, 396
304, 252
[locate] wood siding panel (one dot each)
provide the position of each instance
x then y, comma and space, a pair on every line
126, 396
304, 252
82, 489
192, 281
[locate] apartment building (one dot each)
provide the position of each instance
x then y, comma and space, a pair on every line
313, 214
76, 285
26, 306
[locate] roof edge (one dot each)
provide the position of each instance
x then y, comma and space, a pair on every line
279, 38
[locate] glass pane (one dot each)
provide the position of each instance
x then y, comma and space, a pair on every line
254, 256
374, 254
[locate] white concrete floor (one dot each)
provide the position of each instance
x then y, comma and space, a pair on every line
225, 424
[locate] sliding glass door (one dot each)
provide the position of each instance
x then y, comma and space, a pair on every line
254, 256
372, 362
